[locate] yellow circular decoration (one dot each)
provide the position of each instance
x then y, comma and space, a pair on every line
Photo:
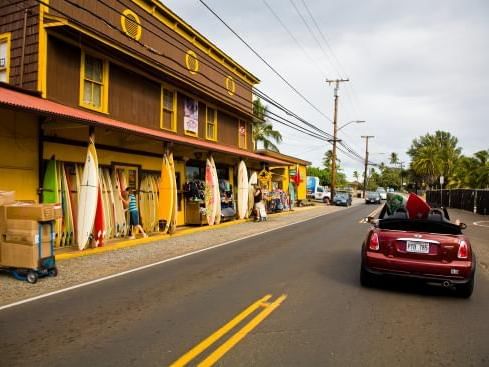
192, 62
230, 85
131, 25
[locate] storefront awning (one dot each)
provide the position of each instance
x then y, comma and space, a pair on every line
26, 102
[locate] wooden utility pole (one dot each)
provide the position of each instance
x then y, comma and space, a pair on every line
333, 164
401, 164
366, 137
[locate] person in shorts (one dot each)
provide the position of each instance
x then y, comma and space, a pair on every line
131, 206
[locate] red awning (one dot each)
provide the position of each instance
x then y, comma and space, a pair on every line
26, 102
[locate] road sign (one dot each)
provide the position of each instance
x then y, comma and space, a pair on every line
442, 180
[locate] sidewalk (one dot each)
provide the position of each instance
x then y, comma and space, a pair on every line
76, 267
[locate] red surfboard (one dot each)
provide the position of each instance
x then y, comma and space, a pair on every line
417, 207
98, 227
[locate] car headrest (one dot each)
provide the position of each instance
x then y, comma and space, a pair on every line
400, 213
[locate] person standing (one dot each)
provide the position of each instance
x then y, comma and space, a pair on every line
259, 206
131, 206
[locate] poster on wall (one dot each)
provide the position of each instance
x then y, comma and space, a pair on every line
191, 116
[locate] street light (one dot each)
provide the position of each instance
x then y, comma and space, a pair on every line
351, 122
333, 163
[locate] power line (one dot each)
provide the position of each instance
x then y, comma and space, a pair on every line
317, 131
263, 60
311, 59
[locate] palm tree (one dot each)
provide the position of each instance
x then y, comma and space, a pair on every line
394, 159
356, 175
262, 130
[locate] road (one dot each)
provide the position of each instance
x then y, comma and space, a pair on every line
155, 316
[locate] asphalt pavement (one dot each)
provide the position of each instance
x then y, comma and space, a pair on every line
289, 297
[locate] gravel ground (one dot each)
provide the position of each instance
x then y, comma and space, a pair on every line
87, 268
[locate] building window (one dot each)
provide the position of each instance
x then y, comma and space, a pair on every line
211, 123
168, 109
94, 83
4, 57
131, 25
242, 135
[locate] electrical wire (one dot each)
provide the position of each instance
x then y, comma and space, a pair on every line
263, 60
263, 95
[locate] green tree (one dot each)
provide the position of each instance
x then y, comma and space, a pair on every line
262, 130
394, 159
434, 155
356, 175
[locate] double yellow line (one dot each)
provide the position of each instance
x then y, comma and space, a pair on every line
268, 308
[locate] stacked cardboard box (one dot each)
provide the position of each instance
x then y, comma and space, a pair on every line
23, 235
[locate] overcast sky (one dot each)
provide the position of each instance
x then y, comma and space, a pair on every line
415, 67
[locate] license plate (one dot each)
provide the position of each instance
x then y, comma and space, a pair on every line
418, 247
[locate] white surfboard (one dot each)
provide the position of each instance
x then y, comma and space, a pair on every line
251, 198
242, 190
217, 192
88, 197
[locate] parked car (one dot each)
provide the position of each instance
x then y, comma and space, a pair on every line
321, 194
382, 193
372, 197
342, 198
433, 250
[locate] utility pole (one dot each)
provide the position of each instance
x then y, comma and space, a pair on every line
333, 164
366, 137
401, 164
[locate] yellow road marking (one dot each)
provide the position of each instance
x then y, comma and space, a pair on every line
203, 345
236, 338
372, 214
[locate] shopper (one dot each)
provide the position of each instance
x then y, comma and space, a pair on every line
260, 210
130, 203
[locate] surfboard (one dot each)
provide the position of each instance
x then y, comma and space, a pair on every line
71, 180
99, 224
120, 217
87, 203
251, 199
242, 190
209, 194
165, 206
291, 195
217, 192
50, 187
173, 218
417, 207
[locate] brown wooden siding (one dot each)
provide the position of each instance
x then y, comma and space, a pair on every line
133, 98
63, 72
227, 129
12, 20
165, 48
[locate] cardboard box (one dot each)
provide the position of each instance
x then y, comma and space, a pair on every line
28, 211
29, 236
17, 255
7, 197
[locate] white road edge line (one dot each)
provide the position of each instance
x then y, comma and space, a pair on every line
95, 281
482, 225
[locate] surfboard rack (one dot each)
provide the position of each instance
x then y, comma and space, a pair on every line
46, 265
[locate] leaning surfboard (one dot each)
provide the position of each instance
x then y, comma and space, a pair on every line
217, 193
242, 190
209, 194
87, 203
165, 202
173, 217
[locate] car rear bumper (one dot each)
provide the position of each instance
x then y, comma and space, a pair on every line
430, 271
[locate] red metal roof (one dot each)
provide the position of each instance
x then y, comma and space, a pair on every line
31, 103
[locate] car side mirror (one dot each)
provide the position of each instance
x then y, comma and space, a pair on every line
368, 219
462, 226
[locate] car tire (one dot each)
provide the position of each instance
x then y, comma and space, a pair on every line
465, 290
366, 279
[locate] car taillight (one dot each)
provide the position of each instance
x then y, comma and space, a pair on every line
463, 250
374, 242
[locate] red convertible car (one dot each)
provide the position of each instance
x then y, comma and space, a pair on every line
431, 249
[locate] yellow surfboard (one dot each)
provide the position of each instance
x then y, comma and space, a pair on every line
173, 220
165, 201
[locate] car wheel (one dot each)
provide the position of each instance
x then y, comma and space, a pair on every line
366, 279
465, 290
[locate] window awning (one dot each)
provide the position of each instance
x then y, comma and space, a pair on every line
22, 101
